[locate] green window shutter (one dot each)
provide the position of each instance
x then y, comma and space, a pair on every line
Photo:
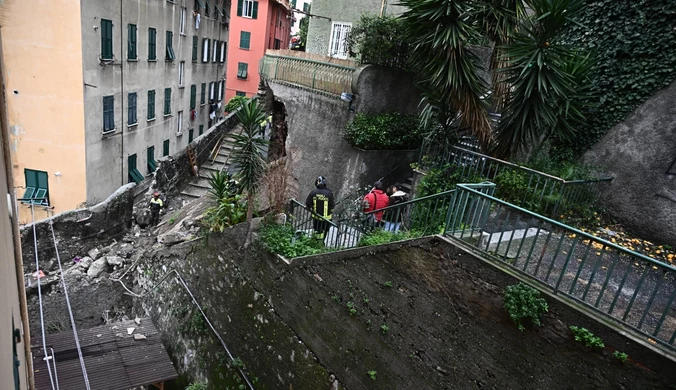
106, 39
167, 101
240, 5
152, 44
151, 104
306, 7
165, 148
203, 93
170, 49
195, 42
254, 14
131, 42
131, 105
31, 178
191, 134
293, 3
242, 70
240, 93
150, 158
201, 130
193, 96
244, 40
108, 113
37, 186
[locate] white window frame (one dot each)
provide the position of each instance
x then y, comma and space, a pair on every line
338, 41
213, 52
181, 74
180, 123
205, 50
222, 59
247, 6
220, 90
212, 89
182, 21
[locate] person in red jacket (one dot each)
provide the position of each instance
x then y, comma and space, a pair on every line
376, 200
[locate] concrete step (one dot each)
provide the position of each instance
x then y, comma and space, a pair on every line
200, 183
194, 192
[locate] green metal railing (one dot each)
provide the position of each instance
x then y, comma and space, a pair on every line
549, 195
316, 75
635, 290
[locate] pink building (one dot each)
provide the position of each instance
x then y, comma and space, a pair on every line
255, 25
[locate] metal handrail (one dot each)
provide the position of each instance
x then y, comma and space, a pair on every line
412, 201
311, 61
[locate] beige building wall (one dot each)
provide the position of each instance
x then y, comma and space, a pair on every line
43, 73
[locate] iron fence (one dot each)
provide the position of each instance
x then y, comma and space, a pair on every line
544, 193
316, 75
629, 287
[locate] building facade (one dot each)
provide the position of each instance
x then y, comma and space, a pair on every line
102, 89
255, 26
301, 5
328, 33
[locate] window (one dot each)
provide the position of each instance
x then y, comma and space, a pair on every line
193, 96
108, 113
152, 44
134, 175
203, 91
151, 105
165, 148
179, 129
211, 91
247, 8
205, 49
106, 39
240, 93
131, 42
244, 40
223, 48
293, 3
167, 101
182, 21
306, 7
195, 42
181, 73
196, 6
278, 44
131, 112
214, 52
170, 49
206, 8
150, 158
37, 187
242, 70
220, 90
201, 130
338, 44
191, 134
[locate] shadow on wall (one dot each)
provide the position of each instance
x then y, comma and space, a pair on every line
316, 121
641, 154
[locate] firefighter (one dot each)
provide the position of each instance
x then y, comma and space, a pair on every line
156, 205
321, 203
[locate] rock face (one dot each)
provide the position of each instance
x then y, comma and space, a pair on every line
97, 267
641, 154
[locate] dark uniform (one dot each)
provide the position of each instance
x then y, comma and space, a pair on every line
321, 203
156, 205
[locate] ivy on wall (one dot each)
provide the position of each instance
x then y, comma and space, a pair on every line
634, 43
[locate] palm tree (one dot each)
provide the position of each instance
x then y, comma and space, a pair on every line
438, 33
247, 151
549, 80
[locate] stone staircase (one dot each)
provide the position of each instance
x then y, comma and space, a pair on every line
199, 186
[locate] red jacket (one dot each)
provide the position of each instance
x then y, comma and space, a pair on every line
376, 200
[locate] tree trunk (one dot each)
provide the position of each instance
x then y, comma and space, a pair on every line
249, 206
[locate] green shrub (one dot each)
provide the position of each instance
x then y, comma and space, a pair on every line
621, 356
278, 239
379, 41
445, 178
523, 302
379, 236
228, 212
389, 131
235, 103
584, 336
197, 386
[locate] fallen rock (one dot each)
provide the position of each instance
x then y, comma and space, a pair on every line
173, 238
114, 260
125, 250
97, 267
85, 263
94, 253
139, 336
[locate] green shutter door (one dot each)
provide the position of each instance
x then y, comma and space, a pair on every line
193, 96
254, 14
195, 42
150, 158
167, 101
240, 4
191, 134
152, 44
203, 93
165, 148
106, 39
151, 105
201, 130
244, 40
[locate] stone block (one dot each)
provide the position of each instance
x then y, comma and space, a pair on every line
97, 267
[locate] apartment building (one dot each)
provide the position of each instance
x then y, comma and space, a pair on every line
301, 5
328, 33
255, 26
100, 89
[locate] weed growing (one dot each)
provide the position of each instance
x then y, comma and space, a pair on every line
372, 375
584, 336
384, 328
523, 302
379, 237
279, 239
621, 356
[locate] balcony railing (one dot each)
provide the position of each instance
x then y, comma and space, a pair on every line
315, 75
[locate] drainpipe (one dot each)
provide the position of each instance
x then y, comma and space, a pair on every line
122, 96
16, 238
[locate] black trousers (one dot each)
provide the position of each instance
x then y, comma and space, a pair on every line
154, 217
321, 226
